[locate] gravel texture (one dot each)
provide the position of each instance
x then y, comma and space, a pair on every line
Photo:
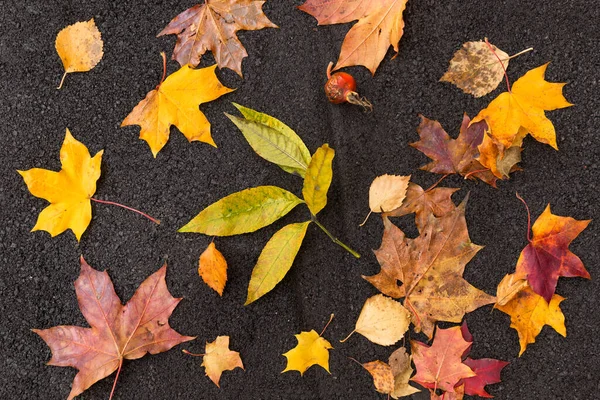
283, 76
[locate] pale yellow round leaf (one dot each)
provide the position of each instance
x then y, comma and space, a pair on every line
387, 192
383, 320
79, 46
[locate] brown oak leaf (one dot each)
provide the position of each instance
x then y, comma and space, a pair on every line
117, 332
213, 26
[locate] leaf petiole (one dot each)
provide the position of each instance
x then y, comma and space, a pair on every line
333, 238
156, 221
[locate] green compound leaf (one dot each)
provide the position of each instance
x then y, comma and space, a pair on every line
318, 179
273, 140
243, 212
276, 259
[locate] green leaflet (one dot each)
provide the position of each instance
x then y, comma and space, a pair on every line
318, 179
243, 212
273, 140
276, 259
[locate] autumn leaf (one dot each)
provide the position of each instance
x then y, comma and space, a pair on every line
175, 101
79, 46
380, 25
387, 192
487, 371
529, 312
212, 267
424, 203
547, 256
400, 363
382, 320
218, 358
243, 212
275, 260
454, 156
440, 366
213, 26
312, 349
508, 288
117, 332
500, 161
273, 140
68, 191
430, 268
383, 378
523, 106
318, 179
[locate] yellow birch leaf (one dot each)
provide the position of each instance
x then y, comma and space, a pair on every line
213, 268
275, 260
176, 102
318, 179
311, 349
529, 312
79, 46
523, 107
387, 192
382, 320
68, 191
219, 358
243, 212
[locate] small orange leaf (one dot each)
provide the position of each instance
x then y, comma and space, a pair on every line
213, 268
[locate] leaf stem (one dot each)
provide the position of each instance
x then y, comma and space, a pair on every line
501, 63
468, 175
519, 53
164, 75
116, 379
192, 354
330, 319
334, 239
437, 183
156, 221
348, 337
62, 80
528, 217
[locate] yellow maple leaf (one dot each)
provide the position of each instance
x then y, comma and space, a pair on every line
79, 47
311, 349
68, 191
175, 101
529, 312
219, 358
523, 107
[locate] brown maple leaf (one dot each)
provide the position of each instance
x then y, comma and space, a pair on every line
430, 268
423, 203
213, 26
454, 156
117, 332
380, 25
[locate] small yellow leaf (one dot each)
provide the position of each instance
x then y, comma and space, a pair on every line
68, 191
383, 379
79, 46
508, 288
400, 363
382, 320
387, 192
213, 268
175, 102
219, 358
318, 179
311, 349
529, 312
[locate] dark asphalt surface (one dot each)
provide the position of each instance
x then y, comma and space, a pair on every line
284, 76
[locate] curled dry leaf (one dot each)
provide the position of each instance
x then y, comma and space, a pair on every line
476, 69
218, 358
508, 288
176, 101
213, 26
523, 106
312, 349
212, 267
380, 25
68, 191
383, 378
80, 47
387, 192
382, 320
529, 312
547, 256
118, 332
400, 363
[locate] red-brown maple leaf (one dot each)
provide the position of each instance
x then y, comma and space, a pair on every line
454, 156
547, 256
117, 331
213, 26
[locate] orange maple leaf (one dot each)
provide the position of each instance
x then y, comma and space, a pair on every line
117, 331
380, 25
